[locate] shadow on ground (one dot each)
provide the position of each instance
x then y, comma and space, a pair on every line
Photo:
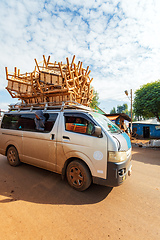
36, 185
153, 155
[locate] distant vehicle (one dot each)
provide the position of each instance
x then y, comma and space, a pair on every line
76, 142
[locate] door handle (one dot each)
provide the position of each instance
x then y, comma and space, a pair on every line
52, 137
66, 137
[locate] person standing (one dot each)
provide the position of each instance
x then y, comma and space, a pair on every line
39, 120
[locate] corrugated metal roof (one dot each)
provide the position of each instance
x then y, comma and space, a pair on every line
100, 110
123, 115
112, 117
148, 121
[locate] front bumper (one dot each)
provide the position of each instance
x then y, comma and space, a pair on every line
116, 174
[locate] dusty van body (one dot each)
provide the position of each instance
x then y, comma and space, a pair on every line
76, 142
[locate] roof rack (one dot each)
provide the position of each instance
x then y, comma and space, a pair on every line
48, 106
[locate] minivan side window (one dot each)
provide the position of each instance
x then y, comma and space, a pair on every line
26, 122
10, 121
79, 125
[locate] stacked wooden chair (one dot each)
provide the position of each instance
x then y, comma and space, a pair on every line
52, 83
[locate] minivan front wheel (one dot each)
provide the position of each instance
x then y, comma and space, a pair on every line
78, 175
12, 156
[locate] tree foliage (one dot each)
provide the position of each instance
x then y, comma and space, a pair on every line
94, 104
113, 110
147, 100
120, 109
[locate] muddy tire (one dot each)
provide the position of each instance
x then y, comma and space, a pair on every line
12, 156
78, 175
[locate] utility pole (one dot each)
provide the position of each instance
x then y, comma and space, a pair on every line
131, 112
130, 98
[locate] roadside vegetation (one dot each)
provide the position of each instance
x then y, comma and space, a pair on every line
147, 101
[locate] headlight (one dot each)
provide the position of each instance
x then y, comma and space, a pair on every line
117, 156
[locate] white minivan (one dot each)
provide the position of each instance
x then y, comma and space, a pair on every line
73, 140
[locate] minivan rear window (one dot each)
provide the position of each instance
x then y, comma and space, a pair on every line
10, 121
26, 122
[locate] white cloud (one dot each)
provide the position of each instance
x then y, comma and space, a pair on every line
119, 40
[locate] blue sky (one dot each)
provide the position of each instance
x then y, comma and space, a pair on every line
118, 40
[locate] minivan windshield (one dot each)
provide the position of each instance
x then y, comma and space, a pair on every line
106, 123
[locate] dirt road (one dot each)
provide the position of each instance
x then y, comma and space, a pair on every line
36, 204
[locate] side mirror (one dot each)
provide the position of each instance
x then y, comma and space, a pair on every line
97, 131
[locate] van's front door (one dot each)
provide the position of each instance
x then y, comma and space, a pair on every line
79, 142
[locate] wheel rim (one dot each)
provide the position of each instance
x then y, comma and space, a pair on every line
76, 177
12, 156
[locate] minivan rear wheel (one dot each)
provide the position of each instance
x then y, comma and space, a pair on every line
78, 175
12, 156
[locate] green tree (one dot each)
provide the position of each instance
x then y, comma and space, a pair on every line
94, 104
113, 111
147, 100
122, 108
119, 109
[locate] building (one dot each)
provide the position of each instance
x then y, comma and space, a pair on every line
147, 128
120, 119
99, 110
